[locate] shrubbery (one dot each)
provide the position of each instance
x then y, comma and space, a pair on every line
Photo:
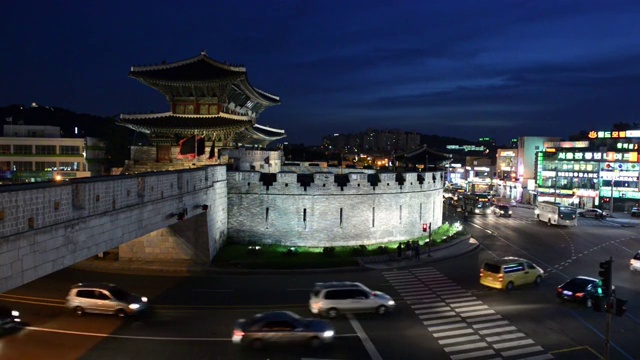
381, 250
360, 250
329, 251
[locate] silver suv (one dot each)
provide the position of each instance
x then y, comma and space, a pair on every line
332, 298
104, 299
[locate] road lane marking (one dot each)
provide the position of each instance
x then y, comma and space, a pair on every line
135, 337
373, 353
214, 290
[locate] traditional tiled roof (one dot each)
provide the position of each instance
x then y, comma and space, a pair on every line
167, 122
200, 70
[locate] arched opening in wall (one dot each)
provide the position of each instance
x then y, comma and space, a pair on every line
304, 215
340, 217
266, 218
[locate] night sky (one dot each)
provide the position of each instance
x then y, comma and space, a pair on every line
467, 69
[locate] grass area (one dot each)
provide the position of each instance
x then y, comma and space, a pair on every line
253, 256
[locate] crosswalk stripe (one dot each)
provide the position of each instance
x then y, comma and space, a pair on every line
404, 293
504, 337
442, 321
484, 318
522, 351
474, 354
459, 299
459, 339
440, 309
475, 313
445, 327
420, 306
502, 329
471, 308
453, 332
434, 316
494, 323
465, 347
513, 343
467, 303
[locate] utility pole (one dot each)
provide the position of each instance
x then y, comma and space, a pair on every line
606, 278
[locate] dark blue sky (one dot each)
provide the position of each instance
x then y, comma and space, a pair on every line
467, 69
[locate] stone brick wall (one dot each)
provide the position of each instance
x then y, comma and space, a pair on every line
332, 210
45, 227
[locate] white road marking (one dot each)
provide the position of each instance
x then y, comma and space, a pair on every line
373, 353
216, 290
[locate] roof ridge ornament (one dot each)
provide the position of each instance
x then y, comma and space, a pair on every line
203, 52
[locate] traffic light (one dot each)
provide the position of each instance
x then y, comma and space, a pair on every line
424, 227
621, 307
605, 277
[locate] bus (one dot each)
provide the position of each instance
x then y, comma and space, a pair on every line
476, 203
556, 213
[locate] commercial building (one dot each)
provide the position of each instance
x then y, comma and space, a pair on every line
601, 171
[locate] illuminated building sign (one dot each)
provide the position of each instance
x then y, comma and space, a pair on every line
614, 134
507, 153
577, 174
608, 156
566, 144
627, 146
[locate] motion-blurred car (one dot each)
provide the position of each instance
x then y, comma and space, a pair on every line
635, 211
508, 272
104, 298
502, 210
332, 298
594, 213
9, 318
580, 289
634, 264
281, 327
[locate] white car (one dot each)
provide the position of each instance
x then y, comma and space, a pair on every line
333, 298
594, 213
634, 264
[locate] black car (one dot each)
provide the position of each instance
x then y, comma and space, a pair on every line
635, 211
502, 210
281, 327
8, 318
580, 289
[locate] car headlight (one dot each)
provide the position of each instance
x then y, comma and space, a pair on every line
391, 302
328, 333
134, 306
144, 299
15, 313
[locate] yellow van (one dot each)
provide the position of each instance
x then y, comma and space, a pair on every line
507, 272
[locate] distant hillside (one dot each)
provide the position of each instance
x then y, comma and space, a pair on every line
118, 138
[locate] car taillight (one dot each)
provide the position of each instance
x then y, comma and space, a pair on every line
237, 332
500, 277
579, 295
481, 272
559, 290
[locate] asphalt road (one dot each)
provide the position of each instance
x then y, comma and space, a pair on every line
443, 312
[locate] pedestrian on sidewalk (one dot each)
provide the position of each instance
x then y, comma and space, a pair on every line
416, 250
399, 248
408, 249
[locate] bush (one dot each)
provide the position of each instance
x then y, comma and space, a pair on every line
290, 252
329, 251
382, 250
359, 250
254, 250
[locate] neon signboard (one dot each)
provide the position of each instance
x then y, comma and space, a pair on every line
590, 155
614, 134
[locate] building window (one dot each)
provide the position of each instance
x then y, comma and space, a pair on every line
23, 149
45, 149
56, 205
5, 149
189, 109
45, 165
70, 150
304, 215
180, 109
22, 166
68, 166
340, 217
204, 109
32, 223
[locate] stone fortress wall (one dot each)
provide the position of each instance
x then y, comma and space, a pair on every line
327, 209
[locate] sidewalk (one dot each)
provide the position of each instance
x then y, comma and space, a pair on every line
449, 250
